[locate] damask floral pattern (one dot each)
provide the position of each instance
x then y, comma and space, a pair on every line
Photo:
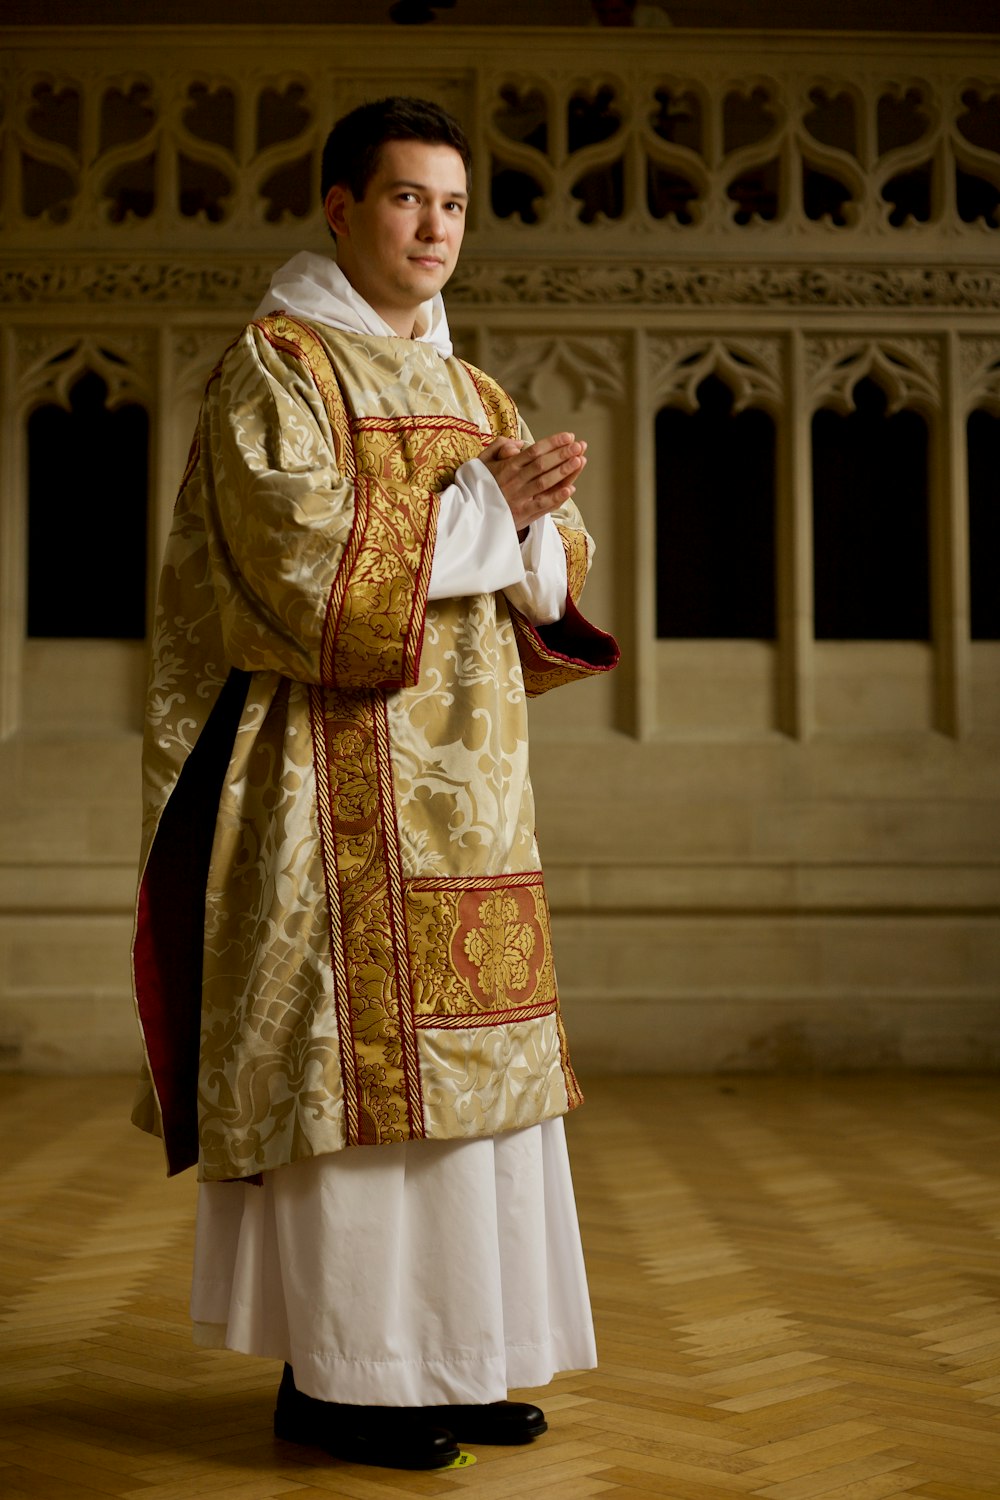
501, 947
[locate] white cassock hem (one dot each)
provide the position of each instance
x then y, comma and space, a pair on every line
411, 1274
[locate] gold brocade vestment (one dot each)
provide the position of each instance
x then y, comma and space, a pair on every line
342, 934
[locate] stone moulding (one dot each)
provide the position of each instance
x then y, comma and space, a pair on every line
654, 284
228, 282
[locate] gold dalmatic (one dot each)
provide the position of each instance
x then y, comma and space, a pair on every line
370, 921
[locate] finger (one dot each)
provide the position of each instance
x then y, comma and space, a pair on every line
543, 504
549, 464
539, 512
559, 491
542, 447
553, 489
502, 447
554, 440
570, 468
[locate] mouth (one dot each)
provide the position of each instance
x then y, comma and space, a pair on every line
431, 262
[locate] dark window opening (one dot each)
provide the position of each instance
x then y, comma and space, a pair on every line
601, 193
45, 189
910, 195
976, 199
669, 195
281, 116
980, 120
824, 196
756, 193
211, 114
523, 117
202, 190
715, 528
87, 539
132, 190
515, 193
870, 522
746, 119
592, 120
831, 120
126, 117
677, 117
900, 120
983, 434
55, 114
289, 191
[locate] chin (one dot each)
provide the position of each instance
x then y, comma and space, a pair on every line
426, 287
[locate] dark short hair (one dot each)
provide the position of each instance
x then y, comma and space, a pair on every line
352, 148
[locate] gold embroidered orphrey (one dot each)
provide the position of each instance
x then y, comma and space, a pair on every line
363, 953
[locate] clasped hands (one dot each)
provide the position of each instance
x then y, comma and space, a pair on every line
535, 478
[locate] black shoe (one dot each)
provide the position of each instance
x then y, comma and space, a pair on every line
393, 1437
502, 1422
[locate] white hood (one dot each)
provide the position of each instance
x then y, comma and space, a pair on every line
314, 287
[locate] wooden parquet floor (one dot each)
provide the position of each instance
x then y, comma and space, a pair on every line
796, 1283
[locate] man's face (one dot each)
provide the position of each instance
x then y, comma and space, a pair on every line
399, 244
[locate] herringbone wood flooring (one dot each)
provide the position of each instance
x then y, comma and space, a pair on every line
796, 1285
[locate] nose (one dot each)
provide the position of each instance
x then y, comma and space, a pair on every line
432, 223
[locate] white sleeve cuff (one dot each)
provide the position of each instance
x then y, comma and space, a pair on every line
542, 594
476, 551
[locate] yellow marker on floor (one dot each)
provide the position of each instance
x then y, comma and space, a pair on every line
463, 1461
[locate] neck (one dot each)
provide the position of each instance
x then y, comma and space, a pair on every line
402, 320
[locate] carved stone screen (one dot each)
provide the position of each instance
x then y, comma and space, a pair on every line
759, 273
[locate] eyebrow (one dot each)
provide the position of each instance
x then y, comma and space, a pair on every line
405, 182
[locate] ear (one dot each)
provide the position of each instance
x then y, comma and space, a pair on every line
335, 207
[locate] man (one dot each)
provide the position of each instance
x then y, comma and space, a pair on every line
342, 938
